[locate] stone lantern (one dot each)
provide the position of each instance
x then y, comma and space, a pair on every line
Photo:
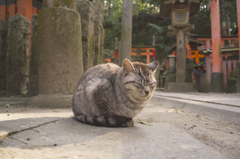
171, 62
180, 11
180, 17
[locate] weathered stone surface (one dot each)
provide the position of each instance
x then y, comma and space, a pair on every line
50, 101
86, 11
17, 53
126, 29
170, 77
102, 44
67, 138
59, 40
33, 66
180, 87
60, 3
3, 53
189, 69
98, 20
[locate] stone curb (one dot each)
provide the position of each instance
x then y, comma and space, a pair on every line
217, 111
50, 101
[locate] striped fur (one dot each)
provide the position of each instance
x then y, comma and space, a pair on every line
106, 121
110, 96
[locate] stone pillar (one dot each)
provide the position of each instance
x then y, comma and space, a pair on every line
126, 34
86, 11
59, 3
33, 66
17, 41
238, 17
189, 69
208, 72
59, 38
119, 53
181, 57
3, 53
98, 20
102, 44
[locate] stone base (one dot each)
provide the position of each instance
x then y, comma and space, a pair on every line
180, 87
238, 84
50, 101
217, 82
170, 77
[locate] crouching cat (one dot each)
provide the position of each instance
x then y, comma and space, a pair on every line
110, 96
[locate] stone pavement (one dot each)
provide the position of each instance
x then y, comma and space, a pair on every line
221, 106
33, 132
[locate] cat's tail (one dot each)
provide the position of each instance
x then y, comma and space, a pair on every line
107, 121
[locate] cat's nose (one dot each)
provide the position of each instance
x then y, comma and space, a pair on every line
146, 92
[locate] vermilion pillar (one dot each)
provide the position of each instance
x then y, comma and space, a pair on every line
25, 8
217, 76
12, 8
238, 16
34, 8
3, 9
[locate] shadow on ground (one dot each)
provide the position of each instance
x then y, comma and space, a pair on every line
67, 136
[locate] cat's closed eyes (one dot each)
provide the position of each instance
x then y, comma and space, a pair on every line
110, 96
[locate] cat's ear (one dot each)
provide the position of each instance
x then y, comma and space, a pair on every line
153, 66
127, 65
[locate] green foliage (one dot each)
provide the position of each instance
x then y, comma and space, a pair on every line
230, 8
147, 22
108, 54
202, 20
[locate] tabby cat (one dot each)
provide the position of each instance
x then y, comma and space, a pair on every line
110, 96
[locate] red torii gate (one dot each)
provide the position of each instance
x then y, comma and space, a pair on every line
149, 52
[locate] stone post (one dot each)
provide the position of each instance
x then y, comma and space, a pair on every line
18, 27
59, 38
181, 57
119, 53
238, 17
86, 11
59, 3
102, 44
126, 34
3, 53
33, 66
98, 20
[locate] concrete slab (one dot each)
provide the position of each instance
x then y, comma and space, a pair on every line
33, 132
210, 104
14, 119
68, 138
11, 101
215, 98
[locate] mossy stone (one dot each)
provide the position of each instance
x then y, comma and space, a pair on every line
59, 38
60, 3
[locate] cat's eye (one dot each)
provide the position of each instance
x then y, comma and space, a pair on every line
152, 84
138, 84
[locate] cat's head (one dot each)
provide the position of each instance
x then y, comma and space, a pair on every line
138, 79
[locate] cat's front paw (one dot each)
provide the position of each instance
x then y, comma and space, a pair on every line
128, 124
